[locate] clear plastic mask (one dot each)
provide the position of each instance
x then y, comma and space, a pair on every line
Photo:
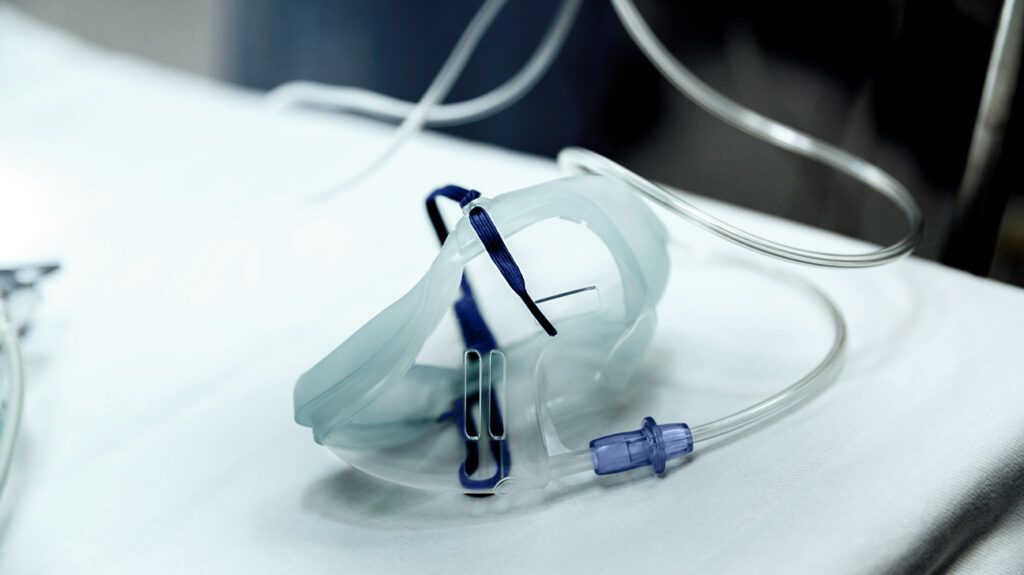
403, 399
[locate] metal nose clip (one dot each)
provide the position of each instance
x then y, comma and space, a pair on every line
483, 429
483, 383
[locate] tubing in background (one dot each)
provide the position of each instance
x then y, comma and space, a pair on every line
369, 103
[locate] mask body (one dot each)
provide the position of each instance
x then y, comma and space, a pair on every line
492, 420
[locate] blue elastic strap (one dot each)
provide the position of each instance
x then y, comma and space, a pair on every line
474, 329
498, 447
502, 258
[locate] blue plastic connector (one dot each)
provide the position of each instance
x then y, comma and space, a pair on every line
652, 445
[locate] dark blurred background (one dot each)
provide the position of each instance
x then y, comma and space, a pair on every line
898, 82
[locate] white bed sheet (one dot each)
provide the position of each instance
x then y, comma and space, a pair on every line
199, 280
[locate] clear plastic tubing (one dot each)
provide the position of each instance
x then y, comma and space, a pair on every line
766, 129
436, 92
813, 381
429, 108
11, 397
366, 102
798, 391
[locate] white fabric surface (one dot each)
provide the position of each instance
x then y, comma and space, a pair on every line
199, 281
